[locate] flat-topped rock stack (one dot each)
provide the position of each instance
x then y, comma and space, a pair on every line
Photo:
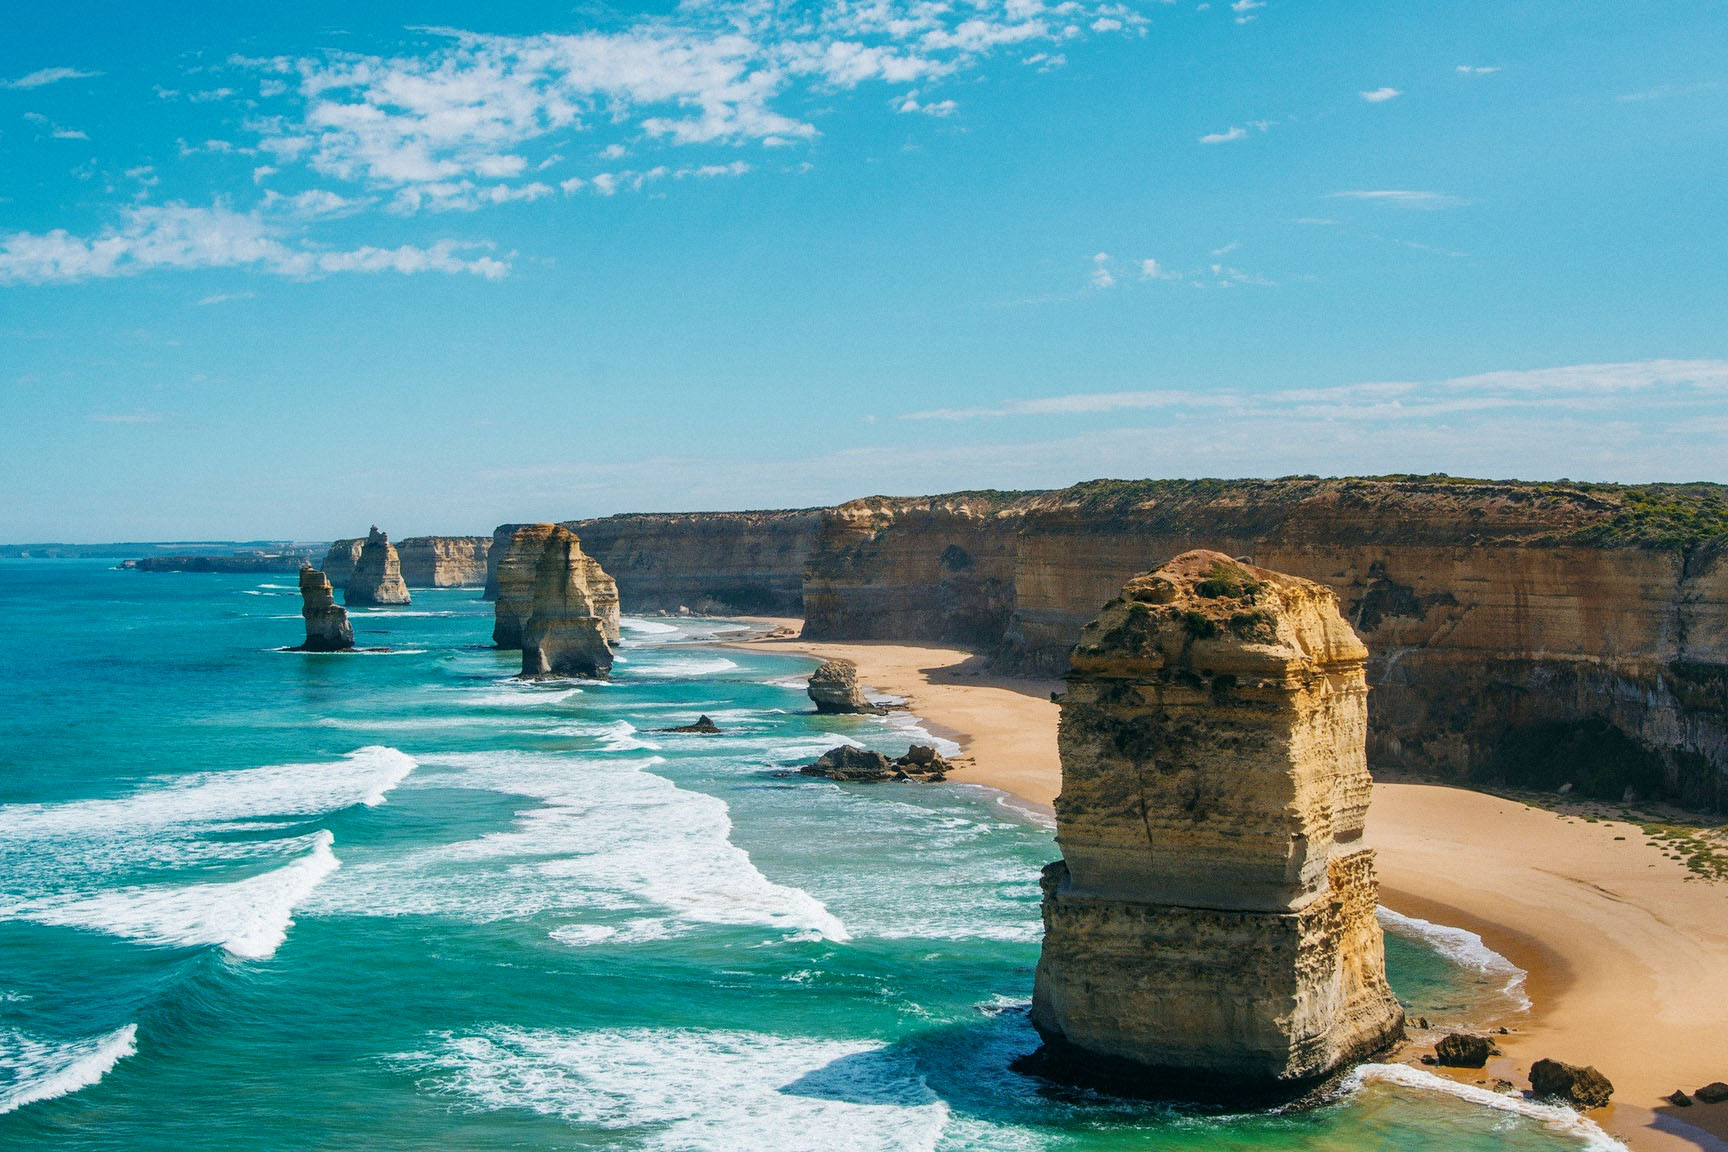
833, 688
327, 627
556, 603
377, 576
1210, 930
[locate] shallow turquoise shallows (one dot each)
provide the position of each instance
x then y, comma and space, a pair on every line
257, 899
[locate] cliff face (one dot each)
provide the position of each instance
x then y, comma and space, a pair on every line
573, 614
532, 568
716, 562
495, 553
1211, 925
444, 561
327, 628
339, 561
377, 576
1498, 617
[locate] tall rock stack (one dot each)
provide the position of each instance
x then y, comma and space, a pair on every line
1210, 929
495, 554
377, 577
339, 561
573, 617
518, 564
327, 628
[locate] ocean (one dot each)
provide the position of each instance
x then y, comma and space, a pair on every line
396, 900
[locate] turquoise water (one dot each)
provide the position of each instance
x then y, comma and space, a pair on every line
269, 900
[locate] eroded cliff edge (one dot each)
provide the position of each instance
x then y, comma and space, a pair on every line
1210, 930
546, 581
426, 561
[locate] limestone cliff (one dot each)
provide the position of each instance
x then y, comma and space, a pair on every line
833, 688
573, 614
749, 563
444, 561
339, 561
327, 628
519, 581
1210, 928
377, 576
495, 553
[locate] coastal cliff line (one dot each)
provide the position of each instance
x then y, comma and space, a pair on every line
1537, 633
426, 561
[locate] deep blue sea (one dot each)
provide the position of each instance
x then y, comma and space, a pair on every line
265, 900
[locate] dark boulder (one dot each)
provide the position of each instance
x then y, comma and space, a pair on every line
702, 727
1713, 1093
1679, 1099
860, 764
1462, 1050
1578, 1085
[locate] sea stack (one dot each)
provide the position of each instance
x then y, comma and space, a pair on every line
833, 688
327, 628
1210, 932
519, 559
377, 577
573, 616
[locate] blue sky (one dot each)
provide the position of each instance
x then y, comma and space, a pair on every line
292, 271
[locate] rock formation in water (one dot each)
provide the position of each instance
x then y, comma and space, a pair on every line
573, 613
518, 579
339, 561
704, 726
444, 561
1210, 929
327, 628
377, 577
495, 553
834, 689
861, 765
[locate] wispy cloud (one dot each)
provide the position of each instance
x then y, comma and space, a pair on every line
45, 76
1665, 91
1244, 9
1477, 70
1234, 132
55, 131
1381, 95
181, 236
1403, 197
1102, 277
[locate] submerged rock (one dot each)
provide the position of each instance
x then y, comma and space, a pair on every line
834, 689
861, 765
1210, 930
377, 577
702, 727
327, 627
1462, 1050
1578, 1085
573, 614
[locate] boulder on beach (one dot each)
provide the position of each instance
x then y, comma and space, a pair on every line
1578, 1085
1462, 1050
327, 627
834, 690
1713, 1093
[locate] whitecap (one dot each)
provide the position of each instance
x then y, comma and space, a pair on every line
33, 1069
1463, 948
523, 697
1555, 1117
690, 1089
248, 918
648, 627
690, 667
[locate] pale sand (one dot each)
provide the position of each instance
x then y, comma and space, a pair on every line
1627, 954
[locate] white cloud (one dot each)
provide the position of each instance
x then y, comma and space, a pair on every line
44, 76
55, 131
224, 297
1381, 95
185, 237
1234, 132
1244, 9
1404, 197
1102, 277
1468, 70
909, 103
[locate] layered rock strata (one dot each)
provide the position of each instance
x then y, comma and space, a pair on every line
519, 570
340, 559
573, 614
834, 689
444, 561
327, 627
720, 563
377, 576
495, 553
1210, 929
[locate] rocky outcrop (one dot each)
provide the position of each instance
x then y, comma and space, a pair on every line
862, 766
1463, 1050
1210, 929
704, 726
1579, 1086
720, 563
834, 689
519, 574
377, 576
495, 553
1714, 1092
243, 563
339, 561
444, 561
327, 628
1531, 633
573, 614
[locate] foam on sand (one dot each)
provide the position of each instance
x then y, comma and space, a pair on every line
248, 918
688, 1089
32, 1069
1555, 1117
1463, 948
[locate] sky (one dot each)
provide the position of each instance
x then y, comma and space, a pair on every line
283, 271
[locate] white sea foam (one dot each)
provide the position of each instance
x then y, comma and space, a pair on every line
1555, 1117
33, 1069
606, 834
631, 932
280, 587
647, 627
687, 1089
685, 668
907, 725
618, 736
523, 697
1463, 948
248, 918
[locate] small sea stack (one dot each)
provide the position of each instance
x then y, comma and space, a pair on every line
377, 576
1210, 931
327, 628
834, 689
573, 614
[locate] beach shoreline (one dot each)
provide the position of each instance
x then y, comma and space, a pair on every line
1624, 949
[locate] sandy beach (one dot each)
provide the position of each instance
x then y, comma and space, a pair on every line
1627, 951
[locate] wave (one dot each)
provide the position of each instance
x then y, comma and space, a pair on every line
684, 1089
35, 1070
691, 667
248, 918
1463, 948
618, 736
524, 697
1555, 1117
648, 627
